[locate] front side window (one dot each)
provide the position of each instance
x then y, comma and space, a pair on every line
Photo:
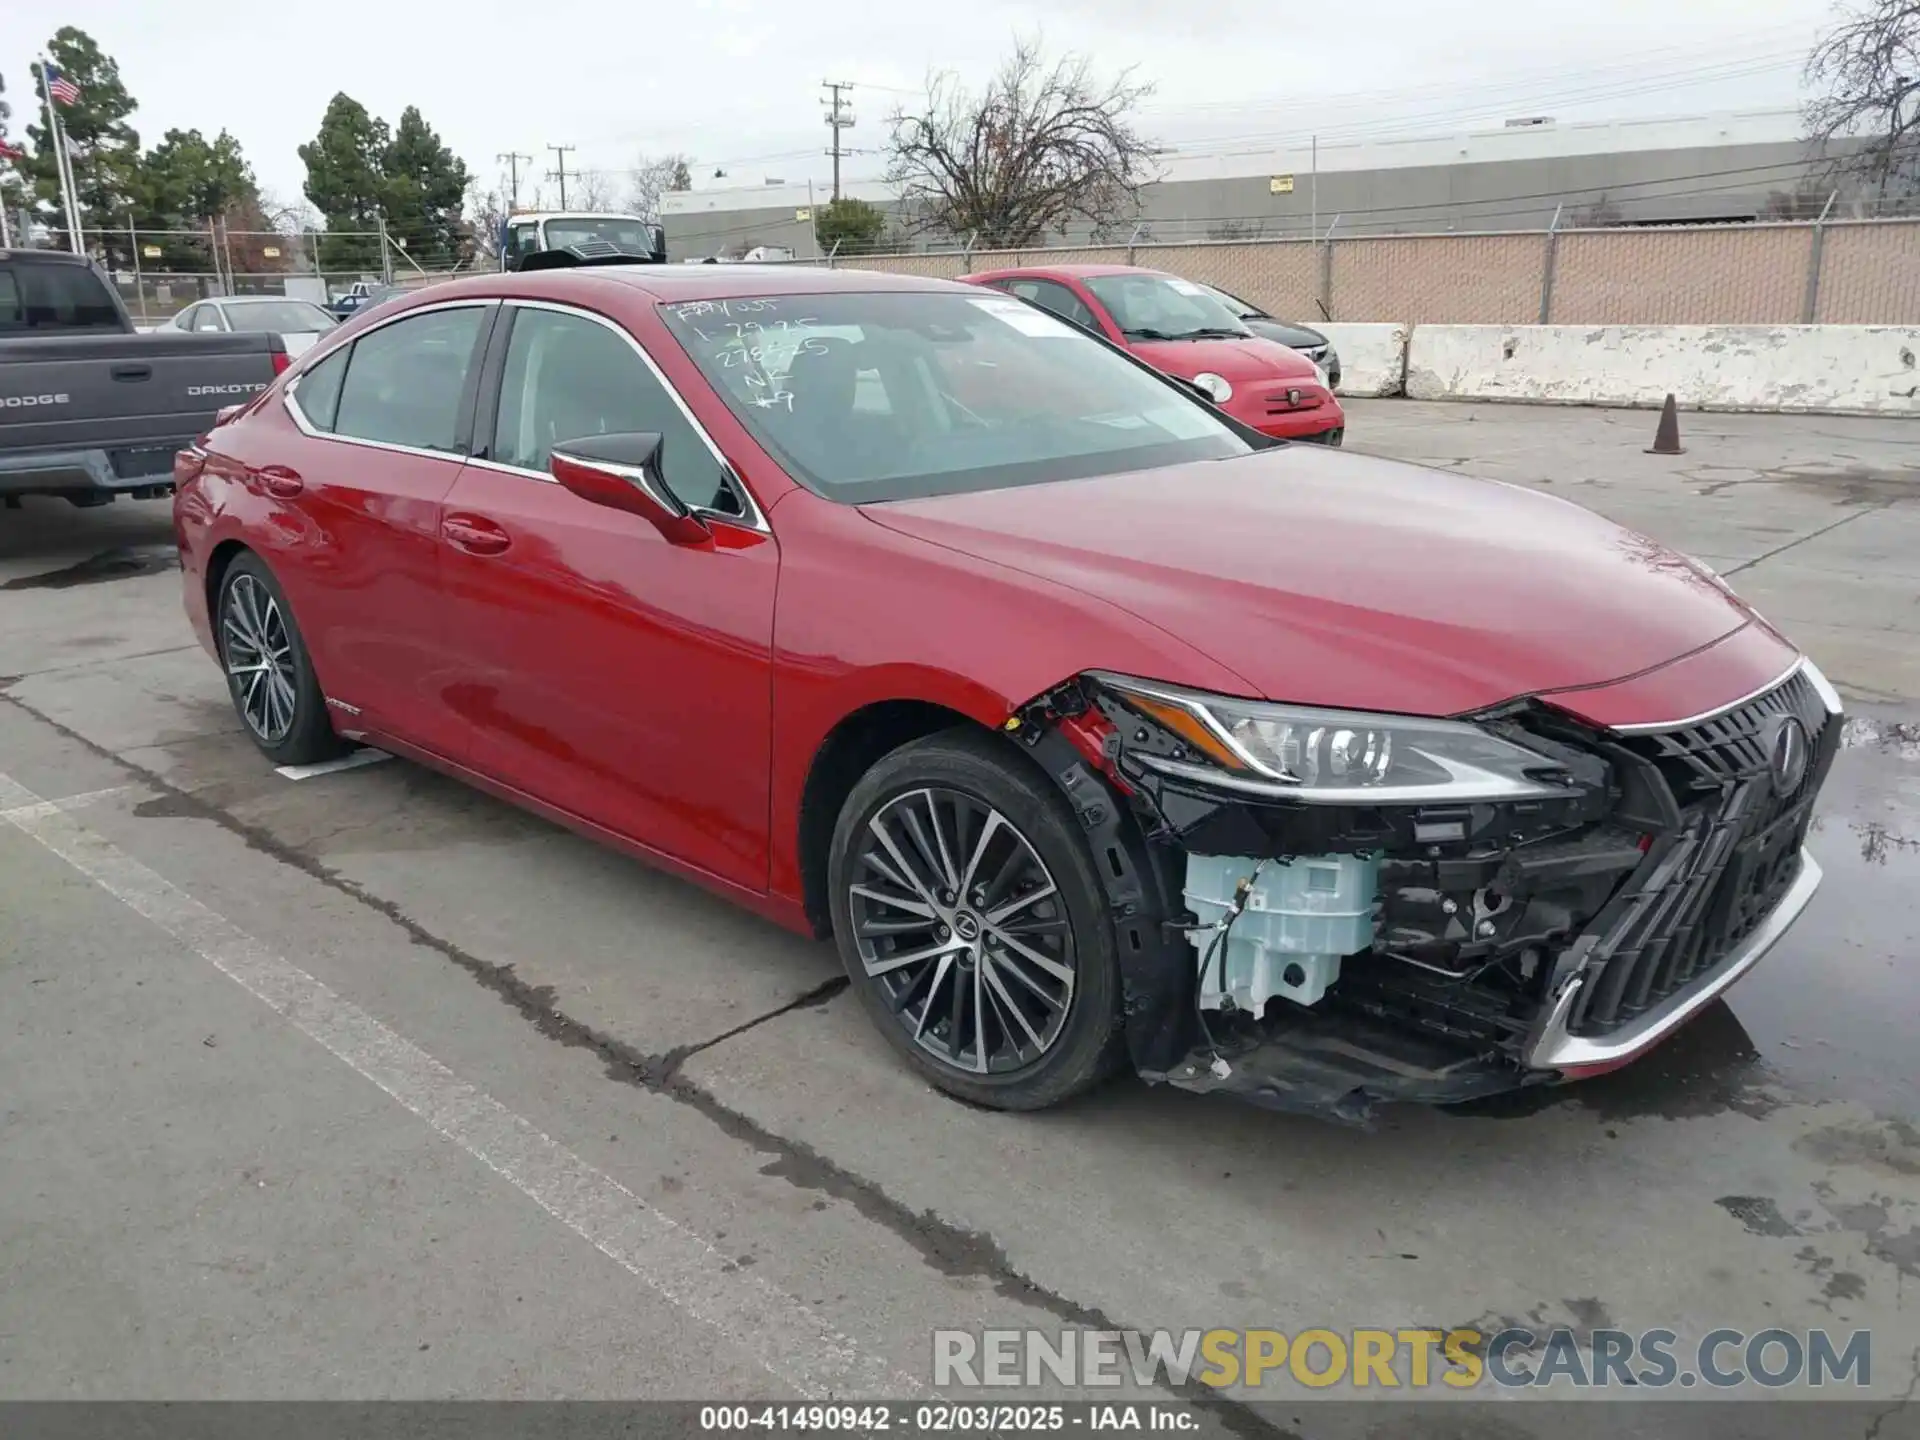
895, 395
523, 240
404, 381
568, 378
1150, 306
207, 318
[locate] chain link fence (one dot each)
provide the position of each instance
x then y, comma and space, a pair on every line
161, 272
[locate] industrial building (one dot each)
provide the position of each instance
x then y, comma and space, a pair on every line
1519, 176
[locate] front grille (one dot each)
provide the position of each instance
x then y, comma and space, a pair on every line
1705, 888
1279, 404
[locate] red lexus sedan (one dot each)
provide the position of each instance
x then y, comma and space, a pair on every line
1094, 727
1187, 331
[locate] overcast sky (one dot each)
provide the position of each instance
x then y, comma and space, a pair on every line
736, 83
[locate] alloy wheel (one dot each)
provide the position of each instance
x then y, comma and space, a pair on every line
959, 924
259, 659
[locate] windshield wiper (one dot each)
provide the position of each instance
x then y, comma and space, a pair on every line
1210, 332
1150, 335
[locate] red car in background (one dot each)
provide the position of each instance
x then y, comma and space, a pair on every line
1182, 329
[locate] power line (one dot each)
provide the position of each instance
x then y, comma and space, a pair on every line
560, 153
839, 118
513, 159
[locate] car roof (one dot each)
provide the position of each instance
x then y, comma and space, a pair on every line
260, 300
1070, 272
686, 282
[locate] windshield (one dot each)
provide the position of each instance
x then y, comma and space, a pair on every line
1239, 309
279, 317
624, 231
902, 395
1148, 306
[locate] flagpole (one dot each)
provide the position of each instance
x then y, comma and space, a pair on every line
68, 204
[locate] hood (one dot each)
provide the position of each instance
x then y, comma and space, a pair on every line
1246, 359
1329, 578
1297, 337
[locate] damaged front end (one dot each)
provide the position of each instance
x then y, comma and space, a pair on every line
1322, 911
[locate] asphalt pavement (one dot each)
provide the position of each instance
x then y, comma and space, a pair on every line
366, 1085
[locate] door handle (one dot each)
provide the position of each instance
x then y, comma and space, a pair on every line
131, 372
475, 534
280, 481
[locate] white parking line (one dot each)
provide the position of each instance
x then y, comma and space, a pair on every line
333, 767
760, 1319
41, 808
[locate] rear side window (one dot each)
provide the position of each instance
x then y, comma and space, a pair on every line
317, 393
404, 382
39, 298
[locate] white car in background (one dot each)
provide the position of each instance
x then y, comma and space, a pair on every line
297, 322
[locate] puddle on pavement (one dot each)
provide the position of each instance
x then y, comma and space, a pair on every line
117, 564
1830, 1014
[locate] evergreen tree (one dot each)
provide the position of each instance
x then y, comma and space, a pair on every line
424, 185
346, 183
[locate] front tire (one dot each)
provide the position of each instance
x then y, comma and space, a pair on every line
269, 674
973, 926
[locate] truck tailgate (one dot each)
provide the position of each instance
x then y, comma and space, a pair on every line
125, 394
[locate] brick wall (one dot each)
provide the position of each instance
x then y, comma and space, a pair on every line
1869, 274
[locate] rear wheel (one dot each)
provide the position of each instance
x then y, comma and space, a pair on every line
268, 673
972, 923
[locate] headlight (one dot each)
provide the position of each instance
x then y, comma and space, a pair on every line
1216, 387
1346, 757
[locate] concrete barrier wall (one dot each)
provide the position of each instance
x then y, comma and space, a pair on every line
1373, 358
1829, 369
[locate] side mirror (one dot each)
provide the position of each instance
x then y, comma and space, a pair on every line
622, 472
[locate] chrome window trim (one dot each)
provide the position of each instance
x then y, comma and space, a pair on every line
751, 516
308, 366
1647, 727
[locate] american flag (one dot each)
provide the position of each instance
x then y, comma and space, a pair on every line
60, 87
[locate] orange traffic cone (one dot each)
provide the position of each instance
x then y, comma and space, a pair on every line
1666, 439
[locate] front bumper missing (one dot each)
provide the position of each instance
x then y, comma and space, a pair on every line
1552, 1046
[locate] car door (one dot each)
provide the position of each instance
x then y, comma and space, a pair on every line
604, 670
382, 432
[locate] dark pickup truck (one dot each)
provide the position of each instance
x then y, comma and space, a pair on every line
90, 409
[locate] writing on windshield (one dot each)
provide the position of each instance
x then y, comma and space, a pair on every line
893, 394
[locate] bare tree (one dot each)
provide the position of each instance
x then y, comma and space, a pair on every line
1866, 76
653, 176
592, 190
1046, 144
486, 213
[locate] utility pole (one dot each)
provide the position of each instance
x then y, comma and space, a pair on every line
560, 153
839, 117
512, 161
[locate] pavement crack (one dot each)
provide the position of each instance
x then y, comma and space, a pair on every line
1793, 544
670, 1062
1905, 1399
950, 1249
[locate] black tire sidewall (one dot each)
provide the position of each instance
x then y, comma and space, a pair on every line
988, 769
310, 738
